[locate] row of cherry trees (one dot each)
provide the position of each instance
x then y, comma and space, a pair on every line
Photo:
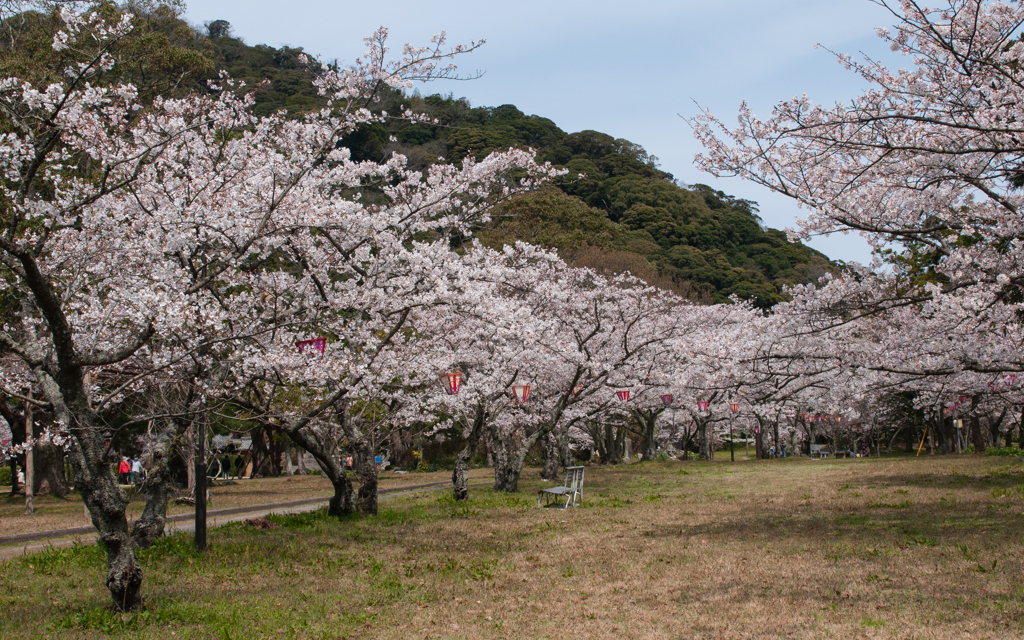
163, 261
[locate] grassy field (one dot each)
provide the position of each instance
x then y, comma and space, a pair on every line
892, 548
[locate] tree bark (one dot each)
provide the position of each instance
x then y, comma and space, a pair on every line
49, 471
341, 503
549, 469
460, 476
16, 422
648, 421
976, 435
367, 497
704, 442
156, 489
106, 504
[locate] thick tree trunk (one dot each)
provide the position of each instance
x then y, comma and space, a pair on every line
508, 463
506, 474
564, 452
995, 428
945, 435
156, 489
704, 442
49, 471
759, 444
649, 424
506, 477
612, 453
106, 504
367, 497
550, 458
977, 436
16, 422
342, 502
460, 476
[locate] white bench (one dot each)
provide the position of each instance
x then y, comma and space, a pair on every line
571, 489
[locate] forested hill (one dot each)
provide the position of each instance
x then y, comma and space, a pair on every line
615, 209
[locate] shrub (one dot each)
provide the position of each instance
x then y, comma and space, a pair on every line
1009, 452
5, 475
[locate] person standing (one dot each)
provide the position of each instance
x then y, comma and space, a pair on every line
783, 448
136, 471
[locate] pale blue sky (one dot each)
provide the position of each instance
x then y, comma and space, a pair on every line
624, 68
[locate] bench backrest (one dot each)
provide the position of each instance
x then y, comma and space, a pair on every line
574, 478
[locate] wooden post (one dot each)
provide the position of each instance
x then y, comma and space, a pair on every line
30, 506
200, 484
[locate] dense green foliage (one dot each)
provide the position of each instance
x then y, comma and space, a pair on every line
615, 199
615, 210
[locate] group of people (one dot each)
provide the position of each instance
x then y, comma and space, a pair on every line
225, 466
129, 471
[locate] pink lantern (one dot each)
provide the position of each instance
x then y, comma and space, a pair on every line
318, 344
451, 381
702, 405
734, 406
623, 395
666, 399
576, 390
521, 391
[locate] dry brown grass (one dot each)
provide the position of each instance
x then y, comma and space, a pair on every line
901, 548
58, 513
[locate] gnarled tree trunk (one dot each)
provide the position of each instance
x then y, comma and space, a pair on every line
549, 469
460, 476
367, 496
156, 489
704, 441
341, 503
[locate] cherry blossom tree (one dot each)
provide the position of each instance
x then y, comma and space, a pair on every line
167, 236
926, 165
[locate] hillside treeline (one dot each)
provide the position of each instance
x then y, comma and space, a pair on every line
614, 210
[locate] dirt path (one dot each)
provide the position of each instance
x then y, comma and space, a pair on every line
23, 544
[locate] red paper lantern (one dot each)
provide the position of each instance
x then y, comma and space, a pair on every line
318, 344
666, 399
452, 382
623, 395
576, 390
702, 405
521, 391
735, 406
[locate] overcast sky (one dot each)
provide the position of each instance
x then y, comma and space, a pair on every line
628, 69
